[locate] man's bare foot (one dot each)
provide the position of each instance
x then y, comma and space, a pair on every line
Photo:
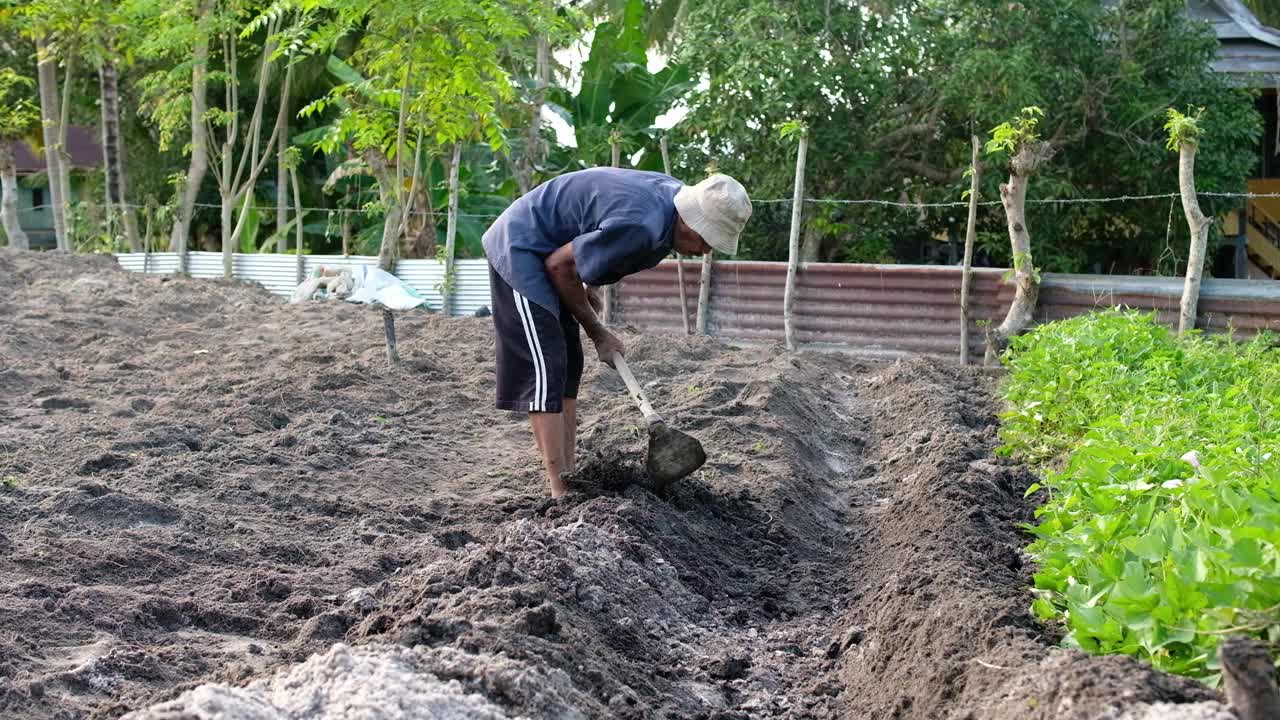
558, 486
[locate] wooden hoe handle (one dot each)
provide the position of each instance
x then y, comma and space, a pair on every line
637, 393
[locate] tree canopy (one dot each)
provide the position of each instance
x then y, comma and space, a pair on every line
890, 94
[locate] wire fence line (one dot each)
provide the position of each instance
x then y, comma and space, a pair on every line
907, 205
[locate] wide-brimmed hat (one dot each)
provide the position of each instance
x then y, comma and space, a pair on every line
717, 209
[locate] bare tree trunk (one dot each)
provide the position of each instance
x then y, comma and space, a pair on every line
112, 147
238, 189
451, 232
380, 168
346, 234
533, 155
793, 255
1013, 196
970, 236
47, 74
199, 143
64, 124
106, 163
684, 305
9, 199
225, 210
1199, 226
390, 236
282, 177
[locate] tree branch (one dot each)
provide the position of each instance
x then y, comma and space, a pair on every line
351, 168
905, 131
250, 149
929, 172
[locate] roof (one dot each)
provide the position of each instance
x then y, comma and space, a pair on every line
1245, 45
82, 144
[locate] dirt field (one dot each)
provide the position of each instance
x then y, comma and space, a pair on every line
206, 485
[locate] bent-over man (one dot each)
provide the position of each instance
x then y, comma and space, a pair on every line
586, 228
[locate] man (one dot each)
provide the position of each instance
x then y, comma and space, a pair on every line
587, 228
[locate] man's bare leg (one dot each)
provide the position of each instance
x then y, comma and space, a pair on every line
570, 413
548, 432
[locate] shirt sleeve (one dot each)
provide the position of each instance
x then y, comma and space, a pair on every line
607, 254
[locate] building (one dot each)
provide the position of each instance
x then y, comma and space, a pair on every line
35, 212
1249, 53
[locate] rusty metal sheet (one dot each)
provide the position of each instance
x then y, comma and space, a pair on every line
914, 308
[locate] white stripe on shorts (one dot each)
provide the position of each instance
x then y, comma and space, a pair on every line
542, 362
539, 402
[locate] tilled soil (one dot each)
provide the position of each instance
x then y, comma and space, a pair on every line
204, 487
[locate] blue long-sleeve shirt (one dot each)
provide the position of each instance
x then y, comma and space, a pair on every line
619, 221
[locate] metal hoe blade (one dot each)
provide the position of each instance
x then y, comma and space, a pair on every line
672, 454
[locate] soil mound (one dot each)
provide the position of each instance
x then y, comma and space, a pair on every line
221, 505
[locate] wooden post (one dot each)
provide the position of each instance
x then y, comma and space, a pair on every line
615, 150
704, 294
684, 305
297, 223
970, 235
793, 257
451, 232
389, 328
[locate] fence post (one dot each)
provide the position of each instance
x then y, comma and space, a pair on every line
793, 258
299, 270
451, 233
704, 294
970, 234
615, 150
389, 329
684, 305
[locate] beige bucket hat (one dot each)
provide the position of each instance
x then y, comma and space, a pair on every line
717, 209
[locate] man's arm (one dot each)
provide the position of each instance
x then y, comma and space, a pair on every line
595, 298
562, 268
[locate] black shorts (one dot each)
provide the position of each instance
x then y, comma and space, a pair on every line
539, 356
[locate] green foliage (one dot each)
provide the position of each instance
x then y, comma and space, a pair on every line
790, 128
19, 112
1160, 530
1009, 136
619, 94
892, 93
445, 55
1182, 129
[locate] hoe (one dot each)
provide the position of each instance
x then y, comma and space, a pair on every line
672, 454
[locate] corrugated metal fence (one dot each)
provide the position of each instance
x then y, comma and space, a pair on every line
896, 308
915, 308
277, 272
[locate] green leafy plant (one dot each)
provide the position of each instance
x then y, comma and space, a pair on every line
1007, 137
1160, 534
10, 482
618, 93
796, 128
1182, 128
